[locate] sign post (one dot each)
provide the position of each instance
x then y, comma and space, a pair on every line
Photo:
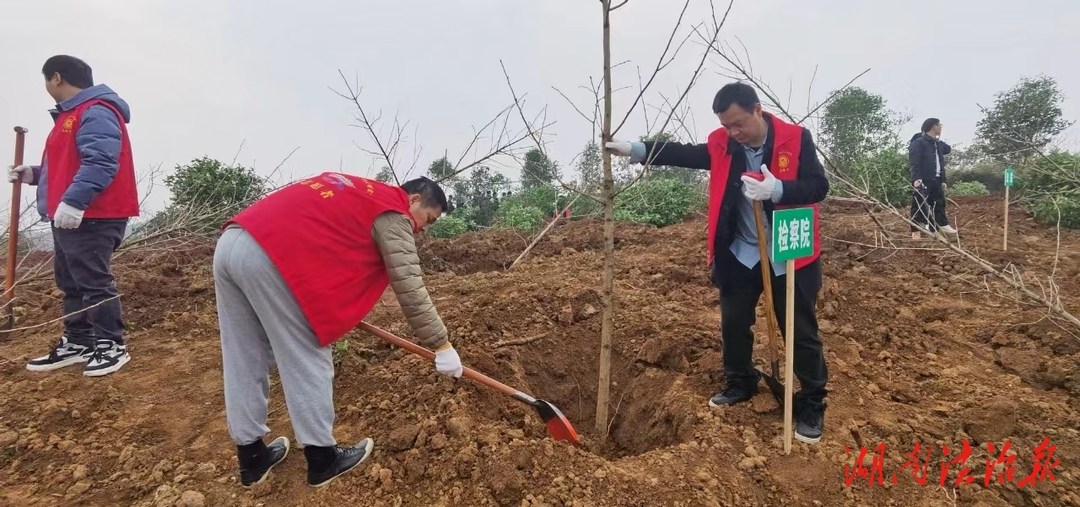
792, 238
1010, 176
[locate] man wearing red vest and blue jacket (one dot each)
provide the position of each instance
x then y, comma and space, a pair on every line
754, 141
293, 273
87, 188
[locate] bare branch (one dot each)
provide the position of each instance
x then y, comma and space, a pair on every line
711, 42
659, 66
368, 123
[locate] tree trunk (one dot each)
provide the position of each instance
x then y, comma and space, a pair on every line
603, 391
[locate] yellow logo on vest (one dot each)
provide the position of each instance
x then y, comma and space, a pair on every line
783, 161
69, 123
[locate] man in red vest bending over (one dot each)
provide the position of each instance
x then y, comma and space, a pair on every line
295, 272
754, 141
87, 188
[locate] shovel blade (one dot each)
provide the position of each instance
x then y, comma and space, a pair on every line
557, 424
775, 387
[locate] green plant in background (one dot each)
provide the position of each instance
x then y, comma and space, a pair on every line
659, 202
516, 216
968, 188
448, 226
205, 193
884, 175
1051, 184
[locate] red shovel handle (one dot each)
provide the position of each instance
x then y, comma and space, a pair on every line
756, 176
427, 354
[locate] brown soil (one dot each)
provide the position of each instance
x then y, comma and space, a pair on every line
921, 347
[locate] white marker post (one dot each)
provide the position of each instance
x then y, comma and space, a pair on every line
1010, 176
792, 238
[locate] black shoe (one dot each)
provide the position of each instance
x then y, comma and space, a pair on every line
809, 420
107, 357
736, 393
64, 353
326, 463
256, 459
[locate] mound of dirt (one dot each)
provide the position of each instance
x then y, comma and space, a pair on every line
922, 348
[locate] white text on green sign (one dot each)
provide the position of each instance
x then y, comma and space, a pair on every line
792, 234
1010, 176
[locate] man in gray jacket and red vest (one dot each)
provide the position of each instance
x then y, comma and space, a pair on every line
294, 273
87, 188
754, 141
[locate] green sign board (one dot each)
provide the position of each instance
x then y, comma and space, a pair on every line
1010, 176
792, 234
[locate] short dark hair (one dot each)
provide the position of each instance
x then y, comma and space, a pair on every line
429, 191
72, 70
735, 93
929, 124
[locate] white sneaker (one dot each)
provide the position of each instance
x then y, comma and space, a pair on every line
107, 358
64, 353
948, 229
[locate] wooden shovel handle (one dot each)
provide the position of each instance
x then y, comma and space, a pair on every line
427, 354
766, 280
13, 225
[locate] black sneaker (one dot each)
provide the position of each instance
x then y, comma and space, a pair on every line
107, 358
809, 421
256, 459
326, 463
735, 393
64, 353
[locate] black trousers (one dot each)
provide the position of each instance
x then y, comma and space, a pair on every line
82, 265
927, 202
740, 289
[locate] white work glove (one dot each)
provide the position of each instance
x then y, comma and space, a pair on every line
620, 148
22, 172
918, 183
447, 361
759, 190
67, 217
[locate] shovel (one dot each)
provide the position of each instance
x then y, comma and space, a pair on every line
557, 424
13, 237
773, 381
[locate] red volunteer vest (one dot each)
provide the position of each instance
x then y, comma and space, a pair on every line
317, 232
787, 143
118, 200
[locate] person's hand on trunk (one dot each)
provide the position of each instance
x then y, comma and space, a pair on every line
620, 148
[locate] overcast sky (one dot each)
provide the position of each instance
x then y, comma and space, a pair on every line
202, 76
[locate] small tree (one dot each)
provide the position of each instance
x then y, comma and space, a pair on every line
441, 169
538, 170
386, 175
590, 175
480, 194
206, 192
857, 125
1023, 120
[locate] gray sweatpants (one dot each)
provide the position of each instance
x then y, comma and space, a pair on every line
262, 325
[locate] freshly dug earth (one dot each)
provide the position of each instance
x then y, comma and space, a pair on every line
922, 347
